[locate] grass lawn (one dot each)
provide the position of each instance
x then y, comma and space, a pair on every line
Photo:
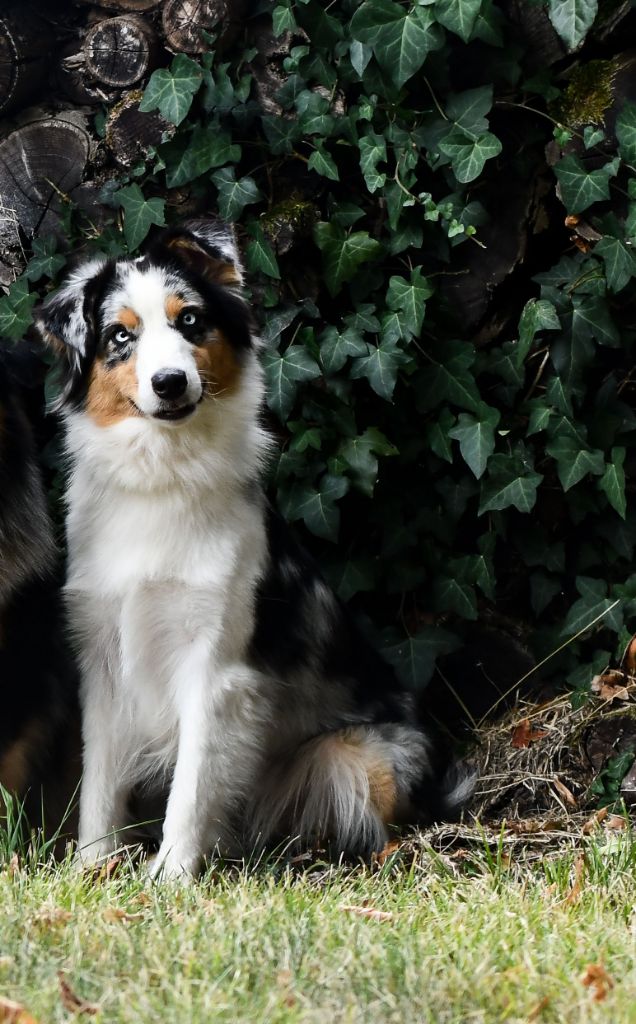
465, 937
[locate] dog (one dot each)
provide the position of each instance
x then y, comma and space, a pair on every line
39, 719
215, 661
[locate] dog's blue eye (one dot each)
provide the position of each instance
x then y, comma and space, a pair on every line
121, 336
189, 319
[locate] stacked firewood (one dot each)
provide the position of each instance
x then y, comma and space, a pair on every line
61, 64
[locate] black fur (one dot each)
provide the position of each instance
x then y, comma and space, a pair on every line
38, 685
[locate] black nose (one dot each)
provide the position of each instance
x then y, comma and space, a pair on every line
169, 383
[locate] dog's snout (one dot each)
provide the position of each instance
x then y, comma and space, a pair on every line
169, 384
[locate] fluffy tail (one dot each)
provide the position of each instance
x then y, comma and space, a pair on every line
348, 786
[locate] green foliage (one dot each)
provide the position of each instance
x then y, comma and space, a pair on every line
442, 464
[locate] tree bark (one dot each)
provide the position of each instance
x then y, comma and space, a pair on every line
130, 134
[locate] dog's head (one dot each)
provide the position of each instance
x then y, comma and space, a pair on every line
156, 335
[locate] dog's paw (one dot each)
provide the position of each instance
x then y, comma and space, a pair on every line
173, 865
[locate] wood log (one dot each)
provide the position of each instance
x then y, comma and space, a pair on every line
41, 164
120, 51
25, 45
187, 22
130, 135
130, 6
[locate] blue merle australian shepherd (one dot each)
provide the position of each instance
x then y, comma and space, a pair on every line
215, 661
39, 717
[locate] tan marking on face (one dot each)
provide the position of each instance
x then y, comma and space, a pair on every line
128, 318
174, 305
217, 271
17, 761
218, 366
111, 390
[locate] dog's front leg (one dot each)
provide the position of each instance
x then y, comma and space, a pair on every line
216, 760
103, 793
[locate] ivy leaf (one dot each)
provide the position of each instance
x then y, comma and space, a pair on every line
372, 149
259, 255
468, 155
15, 309
620, 265
590, 605
171, 90
353, 577
380, 366
509, 483
400, 38
581, 188
335, 347
342, 254
453, 595
612, 483
283, 20
316, 506
281, 132
410, 297
234, 195
360, 55
323, 163
437, 435
476, 436
626, 132
591, 318
414, 657
572, 19
458, 16
359, 453
468, 109
139, 214
283, 373
205, 150
537, 315
573, 461
45, 261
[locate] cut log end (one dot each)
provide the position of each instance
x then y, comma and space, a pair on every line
120, 51
187, 24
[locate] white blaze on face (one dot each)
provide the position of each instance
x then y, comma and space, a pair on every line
160, 346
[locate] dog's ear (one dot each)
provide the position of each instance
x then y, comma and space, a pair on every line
209, 248
66, 324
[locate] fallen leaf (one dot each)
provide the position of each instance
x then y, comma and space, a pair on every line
596, 978
72, 1001
611, 685
142, 899
50, 917
565, 793
524, 734
371, 912
14, 1013
383, 855
577, 885
594, 821
117, 914
103, 872
616, 822
539, 1008
533, 825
